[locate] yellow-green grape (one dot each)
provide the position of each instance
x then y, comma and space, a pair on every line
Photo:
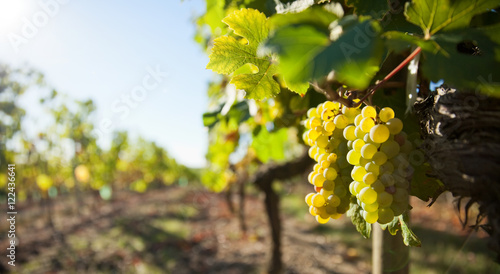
311, 176
318, 180
312, 210
341, 121
327, 114
312, 134
313, 151
322, 220
352, 187
353, 157
321, 212
322, 141
318, 200
330, 173
394, 125
335, 142
319, 109
379, 158
329, 185
318, 168
337, 215
386, 114
378, 186
369, 111
333, 200
367, 195
370, 207
373, 168
314, 122
384, 199
357, 173
390, 148
349, 112
329, 126
358, 119
357, 145
366, 124
369, 178
329, 105
332, 158
370, 217
324, 164
379, 133
368, 150
385, 215
349, 133
309, 199
312, 113
326, 193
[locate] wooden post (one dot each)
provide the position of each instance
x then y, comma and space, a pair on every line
389, 254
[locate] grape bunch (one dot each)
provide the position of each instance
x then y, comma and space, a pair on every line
361, 153
378, 150
331, 173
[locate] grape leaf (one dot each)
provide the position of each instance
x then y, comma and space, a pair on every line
357, 219
433, 16
409, 238
214, 15
270, 145
424, 187
315, 15
229, 54
307, 54
393, 226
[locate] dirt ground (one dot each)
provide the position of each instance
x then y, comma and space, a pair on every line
189, 230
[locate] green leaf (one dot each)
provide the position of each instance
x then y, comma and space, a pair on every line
210, 118
270, 145
307, 54
357, 219
373, 8
424, 187
214, 15
229, 55
393, 226
433, 16
409, 238
316, 16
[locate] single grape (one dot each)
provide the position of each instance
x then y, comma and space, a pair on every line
318, 180
368, 195
368, 150
309, 199
329, 185
349, 133
384, 199
357, 173
358, 119
369, 111
359, 133
379, 133
386, 114
332, 158
312, 112
353, 157
358, 144
330, 209
390, 148
333, 200
370, 207
329, 126
370, 217
373, 168
394, 125
318, 200
322, 220
379, 158
326, 115
366, 124
378, 186
369, 178
341, 121
385, 215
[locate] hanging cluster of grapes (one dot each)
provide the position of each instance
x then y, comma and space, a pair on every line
359, 151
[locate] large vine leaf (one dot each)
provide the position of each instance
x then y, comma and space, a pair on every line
445, 15
270, 145
228, 54
307, 54
373, 8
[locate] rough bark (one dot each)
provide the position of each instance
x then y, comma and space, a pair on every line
264, 179
461, 133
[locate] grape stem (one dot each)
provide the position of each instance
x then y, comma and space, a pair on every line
337, 96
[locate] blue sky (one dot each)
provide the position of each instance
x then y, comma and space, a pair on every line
106, 51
